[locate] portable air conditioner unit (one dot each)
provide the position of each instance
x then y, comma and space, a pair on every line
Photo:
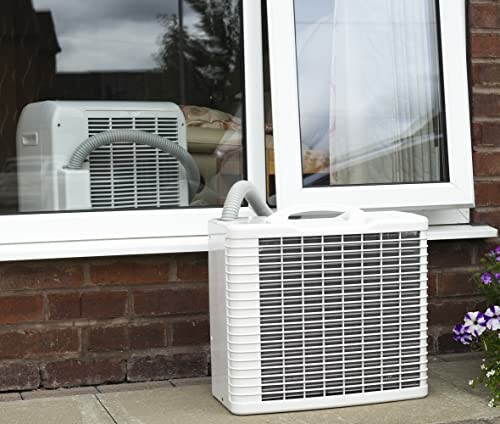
318, 313
120, 175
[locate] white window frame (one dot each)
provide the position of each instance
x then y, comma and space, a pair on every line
454, 195
84, 234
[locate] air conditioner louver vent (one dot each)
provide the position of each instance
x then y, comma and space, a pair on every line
128, 175
341, 315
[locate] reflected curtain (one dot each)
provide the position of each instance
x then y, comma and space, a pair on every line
386, 121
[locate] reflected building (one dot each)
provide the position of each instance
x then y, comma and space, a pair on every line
28, 48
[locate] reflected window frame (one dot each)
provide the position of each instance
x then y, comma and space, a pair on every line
105, 233
443, 203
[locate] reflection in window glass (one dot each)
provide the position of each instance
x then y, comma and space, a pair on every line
114, 104
382, 118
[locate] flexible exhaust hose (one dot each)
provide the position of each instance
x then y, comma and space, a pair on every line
139, 137
239, 191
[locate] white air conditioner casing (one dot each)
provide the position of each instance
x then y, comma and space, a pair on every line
121, 175
318, 313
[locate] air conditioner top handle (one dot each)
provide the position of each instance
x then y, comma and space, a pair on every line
344, 213
246, 190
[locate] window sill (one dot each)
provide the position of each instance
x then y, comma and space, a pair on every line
163, 245
461, 232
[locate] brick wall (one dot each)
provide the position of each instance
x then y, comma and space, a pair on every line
451, 263
85, 322
94, 321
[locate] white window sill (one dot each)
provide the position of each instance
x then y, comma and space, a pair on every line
461, 232
162, 245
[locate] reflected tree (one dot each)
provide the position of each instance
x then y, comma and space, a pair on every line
210, 53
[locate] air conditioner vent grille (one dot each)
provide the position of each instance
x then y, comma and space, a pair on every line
129, 175
341, 315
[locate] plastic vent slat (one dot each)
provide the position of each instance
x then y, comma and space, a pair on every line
127, 175
339, 315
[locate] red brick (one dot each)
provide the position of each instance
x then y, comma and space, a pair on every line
488, 217
72, 372
38, 275
166, 366
487, 193
432, 280
105, 339
457, 284
450, 312
18, 309
490, 134
484, 15
64, 306
19, 376
487, 105
445, 254
486, 74
171, 301
147, 336
130, 271
485, 45
35, 343
192, 267
192, 332
477, 133
486, 164
104, 304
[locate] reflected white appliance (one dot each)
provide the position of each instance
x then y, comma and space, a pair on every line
120, 175
318, 313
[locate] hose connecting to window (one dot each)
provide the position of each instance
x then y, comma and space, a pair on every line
139, 137
243, 190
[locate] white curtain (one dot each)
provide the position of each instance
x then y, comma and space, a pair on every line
385, 122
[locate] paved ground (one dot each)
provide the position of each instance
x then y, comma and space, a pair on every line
190, 401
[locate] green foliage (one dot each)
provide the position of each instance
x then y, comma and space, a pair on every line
489, 342
491, 267
490, 369
209, 56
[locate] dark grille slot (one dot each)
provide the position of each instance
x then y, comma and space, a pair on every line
340, 315
128, 175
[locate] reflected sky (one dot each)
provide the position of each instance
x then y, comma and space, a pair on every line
109, 35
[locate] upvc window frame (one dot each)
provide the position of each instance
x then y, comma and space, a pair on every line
85, 234
454, 196
91, 234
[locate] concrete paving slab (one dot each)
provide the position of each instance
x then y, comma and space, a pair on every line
133, 387
178, 382
452, 357
459, 373
9, 397
68, 410
42, 394
190, 404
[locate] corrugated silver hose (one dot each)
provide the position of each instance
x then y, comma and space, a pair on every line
239, 191
140, 137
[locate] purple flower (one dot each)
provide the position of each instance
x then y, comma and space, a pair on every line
461, 334
475, 323
492, 316
486, 278
497, 276
497, 250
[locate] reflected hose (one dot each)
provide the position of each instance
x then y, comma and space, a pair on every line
139, 137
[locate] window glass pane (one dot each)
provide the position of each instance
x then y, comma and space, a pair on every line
268, 116
119, 104
370, 92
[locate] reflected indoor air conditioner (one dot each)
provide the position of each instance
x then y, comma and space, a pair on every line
103, 155
324, 311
